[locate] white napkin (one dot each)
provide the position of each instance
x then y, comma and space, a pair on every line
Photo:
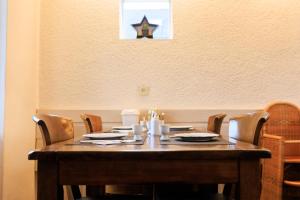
101, 142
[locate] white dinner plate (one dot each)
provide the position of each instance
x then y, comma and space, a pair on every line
181, 128
105, 136
199, 137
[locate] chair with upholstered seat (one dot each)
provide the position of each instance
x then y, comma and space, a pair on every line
244, 128
57, 129
93, 123
281, 134
214, 123
247, 127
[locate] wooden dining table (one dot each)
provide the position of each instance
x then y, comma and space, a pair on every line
68, 163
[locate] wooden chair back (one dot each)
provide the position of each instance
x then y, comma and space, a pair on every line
215, 123
57, 129
54, 128
93, 123
247, 127
284, 120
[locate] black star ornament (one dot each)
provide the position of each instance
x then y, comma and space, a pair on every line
144, 29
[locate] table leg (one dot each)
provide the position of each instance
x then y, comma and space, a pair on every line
47, 181
250, 180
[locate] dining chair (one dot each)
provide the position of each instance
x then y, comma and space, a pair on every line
214, 123
93, 123
247, 127
243, 128
57, 129
281, 134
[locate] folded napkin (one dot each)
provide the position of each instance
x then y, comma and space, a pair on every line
101, 142
105, 142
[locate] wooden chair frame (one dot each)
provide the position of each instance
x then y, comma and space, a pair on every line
214, 123
285, 151
73, 191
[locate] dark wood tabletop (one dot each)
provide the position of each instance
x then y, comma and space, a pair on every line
149, 163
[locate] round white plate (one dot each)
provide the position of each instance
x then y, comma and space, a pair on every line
105, 136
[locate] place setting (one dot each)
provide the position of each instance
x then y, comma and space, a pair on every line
121, 129
181, 128
188, 137
128, 135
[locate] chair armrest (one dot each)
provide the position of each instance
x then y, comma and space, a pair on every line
270, 137
292, 148
292, 142
272, 173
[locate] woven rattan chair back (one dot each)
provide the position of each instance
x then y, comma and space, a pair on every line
284, 120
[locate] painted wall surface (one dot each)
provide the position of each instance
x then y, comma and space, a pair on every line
20, 99
225, 54
3, 20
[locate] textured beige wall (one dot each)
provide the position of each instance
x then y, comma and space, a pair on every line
20, 99
225, 54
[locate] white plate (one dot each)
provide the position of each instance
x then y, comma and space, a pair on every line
122, 128
196, 136
105, 136
180, 128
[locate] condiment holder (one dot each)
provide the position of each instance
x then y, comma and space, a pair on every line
137, 132
165, 130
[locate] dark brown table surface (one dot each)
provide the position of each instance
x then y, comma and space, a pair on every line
149, 163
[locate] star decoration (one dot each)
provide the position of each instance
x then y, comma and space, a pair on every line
144, 29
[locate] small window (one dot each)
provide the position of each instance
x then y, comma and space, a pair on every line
156, 13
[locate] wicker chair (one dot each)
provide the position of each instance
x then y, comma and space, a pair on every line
281, 134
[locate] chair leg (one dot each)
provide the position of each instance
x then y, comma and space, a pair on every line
227, 189
95, 191
76, 191
60, 192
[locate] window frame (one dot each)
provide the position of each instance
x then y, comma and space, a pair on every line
121, 33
